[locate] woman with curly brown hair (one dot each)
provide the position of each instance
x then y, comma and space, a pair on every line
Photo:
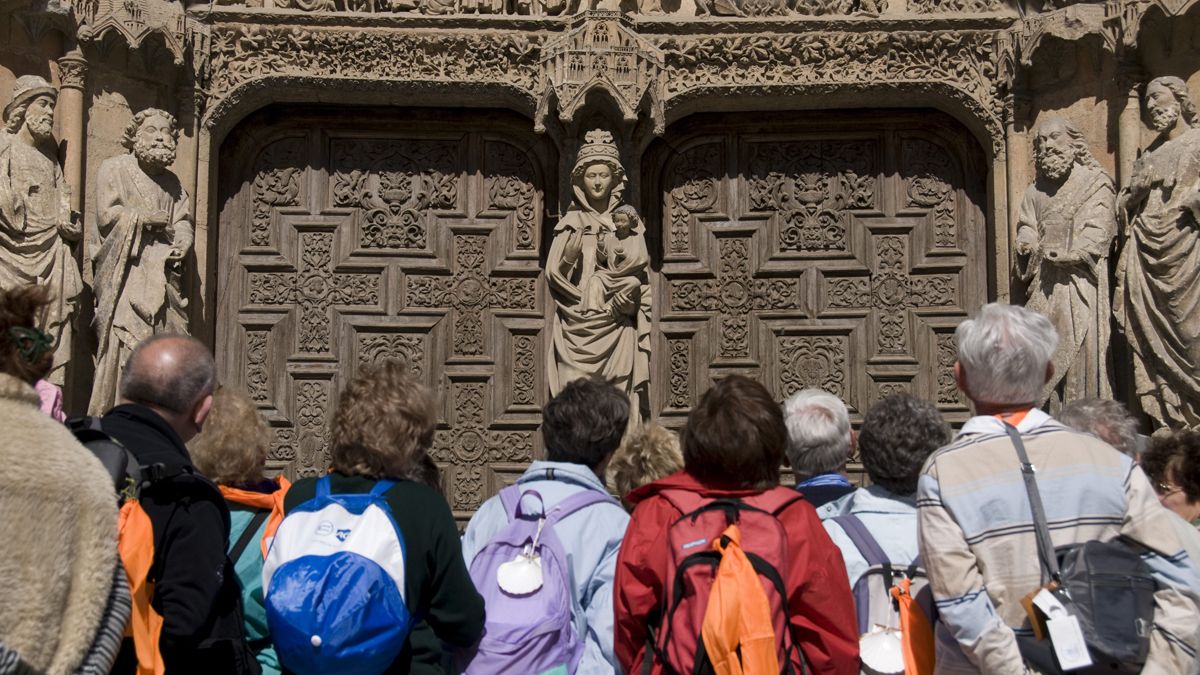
232, 452
382, 429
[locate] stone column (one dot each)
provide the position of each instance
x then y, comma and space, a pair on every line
1129, 124
72, 75
1017, 111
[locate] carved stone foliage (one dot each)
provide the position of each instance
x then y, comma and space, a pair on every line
812, 187
396, 185
807, 264
412, 246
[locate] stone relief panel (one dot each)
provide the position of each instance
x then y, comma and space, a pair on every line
818, 257
415, 246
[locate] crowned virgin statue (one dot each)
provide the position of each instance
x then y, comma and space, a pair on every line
597, 269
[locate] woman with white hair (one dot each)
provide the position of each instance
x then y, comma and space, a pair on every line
976, 534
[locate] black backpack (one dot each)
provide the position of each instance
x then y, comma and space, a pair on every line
122, 466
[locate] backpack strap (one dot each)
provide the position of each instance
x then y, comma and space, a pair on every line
577, 501
322, 488
510, 497
381, 487
243, 541
863, 541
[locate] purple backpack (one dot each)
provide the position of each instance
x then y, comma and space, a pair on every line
534, 632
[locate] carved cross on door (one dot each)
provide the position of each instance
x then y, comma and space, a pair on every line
734, 295
316, 286
893, 291
470, 293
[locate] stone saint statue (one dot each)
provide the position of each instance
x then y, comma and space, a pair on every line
37, 226
597, 269
1066, 228
1157, 303
144, 218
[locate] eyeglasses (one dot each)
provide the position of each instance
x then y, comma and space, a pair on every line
1166, 489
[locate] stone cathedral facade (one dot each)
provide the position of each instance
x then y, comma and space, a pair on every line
825, 188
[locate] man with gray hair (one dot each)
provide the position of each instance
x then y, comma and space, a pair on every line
166, 392
819, 444
976, 533
1105, 419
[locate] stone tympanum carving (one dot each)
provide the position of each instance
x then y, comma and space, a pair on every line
37, 226
144, 218
1158, 294
1067, 224
597, 270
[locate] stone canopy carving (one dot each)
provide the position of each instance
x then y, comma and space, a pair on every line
1066, 228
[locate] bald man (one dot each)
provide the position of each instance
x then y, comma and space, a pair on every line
166, 393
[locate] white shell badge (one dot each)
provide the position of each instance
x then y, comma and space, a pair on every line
882, 652
523, 575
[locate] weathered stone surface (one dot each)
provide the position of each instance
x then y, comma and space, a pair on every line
37, 226
1066, 229
144, 217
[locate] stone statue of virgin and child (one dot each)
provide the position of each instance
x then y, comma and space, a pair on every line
598, 271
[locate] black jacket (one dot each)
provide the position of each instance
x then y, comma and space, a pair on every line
196, 591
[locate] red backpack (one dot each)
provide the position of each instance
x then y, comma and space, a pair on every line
675, 641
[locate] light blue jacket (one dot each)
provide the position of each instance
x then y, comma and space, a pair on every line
891, 520
591, 537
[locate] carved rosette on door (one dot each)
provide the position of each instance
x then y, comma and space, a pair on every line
346, 246
822, 256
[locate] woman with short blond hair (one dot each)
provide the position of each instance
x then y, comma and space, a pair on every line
382, 429
232, 452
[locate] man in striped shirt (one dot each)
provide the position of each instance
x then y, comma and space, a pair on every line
975, 525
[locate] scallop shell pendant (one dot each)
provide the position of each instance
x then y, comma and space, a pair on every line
521, 575
882, 652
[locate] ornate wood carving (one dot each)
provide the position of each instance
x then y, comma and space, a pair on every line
376, 244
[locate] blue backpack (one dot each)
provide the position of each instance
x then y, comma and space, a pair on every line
334, 585
529, 632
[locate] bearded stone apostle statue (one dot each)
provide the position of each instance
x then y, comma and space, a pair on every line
1157, 303
144, 222
597, 272
37, 226
1066, 228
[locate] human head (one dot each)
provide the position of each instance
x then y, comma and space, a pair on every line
1004, 355
598, 171
26, 352
818, 429
1167, 99
1057, 146
1104, 418
152, 135
1172, 463
232, 450
625, 217
32, 104
648, 453
383, 425
735, 436
584, 423
174, 375
898, 434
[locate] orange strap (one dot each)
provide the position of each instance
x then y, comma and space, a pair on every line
738, 633
262, 500
135, 544
918, 634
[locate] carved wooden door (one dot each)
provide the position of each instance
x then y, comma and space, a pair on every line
346, 240
828, 251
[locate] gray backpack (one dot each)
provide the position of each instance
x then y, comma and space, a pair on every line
873, 600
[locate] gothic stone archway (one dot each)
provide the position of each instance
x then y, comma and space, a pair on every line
827, 249
350, 236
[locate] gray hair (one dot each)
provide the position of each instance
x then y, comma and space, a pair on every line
176, 386
818, 426
1108, 420
1004, 351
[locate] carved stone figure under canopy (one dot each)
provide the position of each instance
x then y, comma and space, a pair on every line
1158, 294
1066, 228
144, 218
37, 226
597, 270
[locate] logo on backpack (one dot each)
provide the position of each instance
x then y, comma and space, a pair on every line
723, 549
337, 604
523, 577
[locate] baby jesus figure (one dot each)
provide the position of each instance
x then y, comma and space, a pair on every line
621, 262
